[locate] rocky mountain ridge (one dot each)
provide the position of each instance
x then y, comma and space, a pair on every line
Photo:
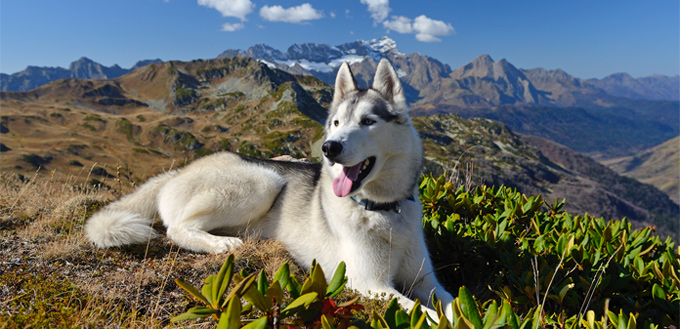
84, 68
165, 114
481, 83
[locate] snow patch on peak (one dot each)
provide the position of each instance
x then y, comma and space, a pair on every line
322, 58
384, 45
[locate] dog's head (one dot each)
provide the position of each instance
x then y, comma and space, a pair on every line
371, 145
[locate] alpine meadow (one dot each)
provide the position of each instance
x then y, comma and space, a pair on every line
547, 200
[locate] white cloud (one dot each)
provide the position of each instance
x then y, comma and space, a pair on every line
378, 9
303, 12
425, 28
399, 24
428, 29
232, 27
230, 8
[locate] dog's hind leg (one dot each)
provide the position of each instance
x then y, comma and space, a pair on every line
229, 197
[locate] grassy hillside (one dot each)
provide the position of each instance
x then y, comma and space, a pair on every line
163, 115
602, 134
158, 117
658, 166
489, 153
526, 262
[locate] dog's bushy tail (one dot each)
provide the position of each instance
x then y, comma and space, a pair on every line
128, 220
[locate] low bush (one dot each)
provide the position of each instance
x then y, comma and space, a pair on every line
529, 263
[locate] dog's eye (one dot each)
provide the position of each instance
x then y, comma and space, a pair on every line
336, 123
367, 122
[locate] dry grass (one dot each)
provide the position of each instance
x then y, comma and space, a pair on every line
50, 275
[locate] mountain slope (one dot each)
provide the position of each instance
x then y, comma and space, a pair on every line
654, 87
165, 114
658, 166
483, 82
601, 134
488, 152
148, 119
84, 68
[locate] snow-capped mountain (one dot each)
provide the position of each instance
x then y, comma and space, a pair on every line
323, 61
317, 58
426, 80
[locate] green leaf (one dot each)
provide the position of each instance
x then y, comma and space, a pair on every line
231, 317
510, 317
391, 313
564, 291
188, 316
444, 323
223, 278
565, 243
300, 302
415, 312
262, 283
464, 323
536, 318
194, 313
274, 292
318, 278
491, 314
260, 323
590, 318
254, 297
325, 324
282, 275
192, 291
337, 282
469, 307
613, 318
206, 290
658, 292
241, 288
639, 266
402, 320
294, 287
632, 322
420, 323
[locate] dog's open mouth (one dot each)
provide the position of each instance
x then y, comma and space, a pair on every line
350, 178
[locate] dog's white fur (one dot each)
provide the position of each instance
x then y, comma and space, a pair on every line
295, 203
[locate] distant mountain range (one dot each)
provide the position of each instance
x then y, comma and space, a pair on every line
481, 83
148, 119
613, 117
84, 68
603, 118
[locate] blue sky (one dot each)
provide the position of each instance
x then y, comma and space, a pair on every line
588, 39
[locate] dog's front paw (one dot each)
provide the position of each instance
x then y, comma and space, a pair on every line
224, 244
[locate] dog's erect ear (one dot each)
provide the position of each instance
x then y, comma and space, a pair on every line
386, 82
344, 83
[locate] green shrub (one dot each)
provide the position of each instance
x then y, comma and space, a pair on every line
544, 268
533, 255
309, 303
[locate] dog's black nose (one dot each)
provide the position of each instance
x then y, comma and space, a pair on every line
331, 149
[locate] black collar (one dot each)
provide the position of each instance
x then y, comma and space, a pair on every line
387, 206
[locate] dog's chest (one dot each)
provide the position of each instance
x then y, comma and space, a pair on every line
376, 226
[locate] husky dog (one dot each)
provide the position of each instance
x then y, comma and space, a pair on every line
360, 206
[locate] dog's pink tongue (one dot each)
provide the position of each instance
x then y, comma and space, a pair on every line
342, 185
